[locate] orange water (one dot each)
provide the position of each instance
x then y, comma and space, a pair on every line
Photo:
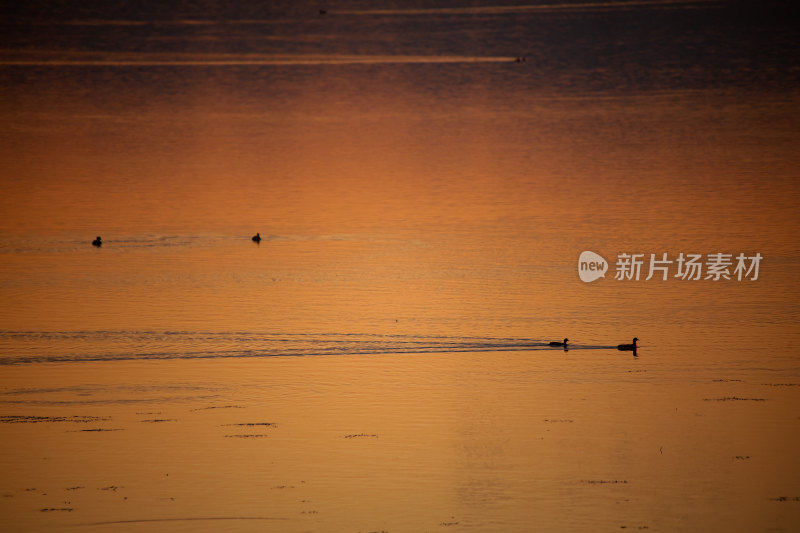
379, 361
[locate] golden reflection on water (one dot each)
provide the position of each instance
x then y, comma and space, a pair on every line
387, 232
515, 439
388, 212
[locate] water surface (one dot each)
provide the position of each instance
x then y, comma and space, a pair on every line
379, 361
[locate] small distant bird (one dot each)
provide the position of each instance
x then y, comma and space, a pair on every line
256, 238
97, 242
556, 343
628, 347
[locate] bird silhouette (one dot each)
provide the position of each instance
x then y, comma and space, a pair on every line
628, 347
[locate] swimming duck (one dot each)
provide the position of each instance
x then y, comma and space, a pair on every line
556, 343
257, 237
628, 347
97, 242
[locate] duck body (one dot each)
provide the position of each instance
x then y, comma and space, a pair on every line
556, 343
97, 242
628, 347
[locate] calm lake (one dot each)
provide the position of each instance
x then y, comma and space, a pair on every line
424, 177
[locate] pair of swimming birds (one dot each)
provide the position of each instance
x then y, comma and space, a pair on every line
623, 347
